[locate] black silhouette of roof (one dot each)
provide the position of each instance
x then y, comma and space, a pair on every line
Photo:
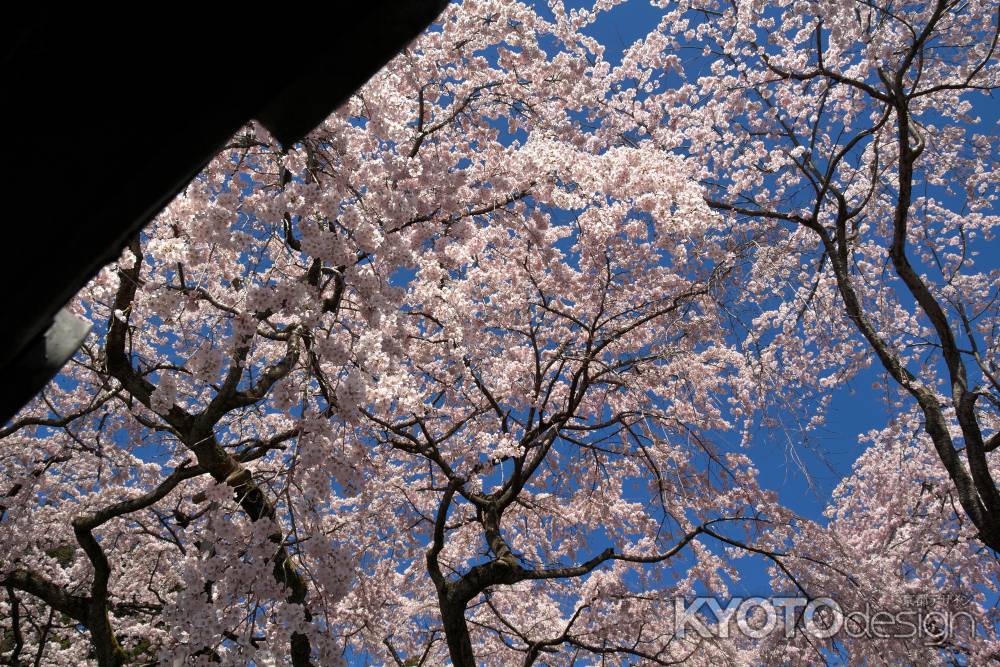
108, 113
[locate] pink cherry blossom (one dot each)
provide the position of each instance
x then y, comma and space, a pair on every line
468, 375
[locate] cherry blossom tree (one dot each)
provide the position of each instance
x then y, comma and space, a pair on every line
168, 496
559, 377
458, 378
897, 545
846, 137
235, 441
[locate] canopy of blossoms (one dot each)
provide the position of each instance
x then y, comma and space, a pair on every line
470, 375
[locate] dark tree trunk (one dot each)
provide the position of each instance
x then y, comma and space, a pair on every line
456, 631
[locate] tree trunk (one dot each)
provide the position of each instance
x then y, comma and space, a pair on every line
456, 631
